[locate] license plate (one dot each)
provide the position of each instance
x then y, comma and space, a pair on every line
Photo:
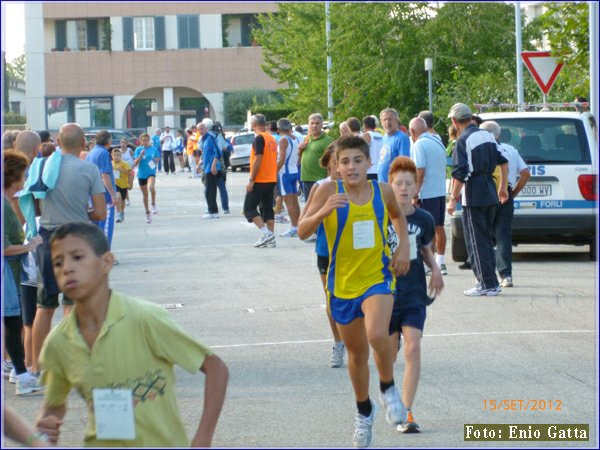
536, 190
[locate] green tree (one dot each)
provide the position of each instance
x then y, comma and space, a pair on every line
236, 104
566, 27
16, 68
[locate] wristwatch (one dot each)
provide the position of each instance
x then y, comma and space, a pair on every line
452, 197
250, 180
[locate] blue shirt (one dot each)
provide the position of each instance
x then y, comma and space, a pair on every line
156, 142
393, 146
210, 152
145, 169
101, 158
429, 154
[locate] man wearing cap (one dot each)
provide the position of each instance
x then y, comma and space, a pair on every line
475, 157
167, 140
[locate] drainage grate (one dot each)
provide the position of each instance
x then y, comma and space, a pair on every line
284, 308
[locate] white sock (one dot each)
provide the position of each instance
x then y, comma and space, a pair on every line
440, 259
265, 230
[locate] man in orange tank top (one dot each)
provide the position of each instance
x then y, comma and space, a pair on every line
261, 186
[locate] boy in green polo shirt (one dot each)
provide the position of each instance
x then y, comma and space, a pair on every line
119, 353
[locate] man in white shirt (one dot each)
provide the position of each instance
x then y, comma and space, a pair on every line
167, 140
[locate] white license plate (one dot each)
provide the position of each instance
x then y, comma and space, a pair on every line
536, 190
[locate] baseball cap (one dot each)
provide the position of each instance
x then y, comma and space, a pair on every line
460, 111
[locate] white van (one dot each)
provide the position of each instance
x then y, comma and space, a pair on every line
559, 203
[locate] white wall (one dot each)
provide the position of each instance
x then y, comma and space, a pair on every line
210, 31
171, 32
116, 41
35, 103
216, 101
120, 102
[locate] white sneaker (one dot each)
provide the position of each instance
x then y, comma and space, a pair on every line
363, 428
395, 410
27, 384
7, 367
12, 378
337, 355
478, 291
313, 238
280, 218
148, 218
291, 232
507, 282
226, 212
265, 240
154, 209
210, 216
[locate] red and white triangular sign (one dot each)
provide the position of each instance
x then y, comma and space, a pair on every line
543, 67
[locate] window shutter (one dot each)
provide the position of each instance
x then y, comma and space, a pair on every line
92, 33
194, 31
159, 33
128, 33
245, 24
61, 34
182, 32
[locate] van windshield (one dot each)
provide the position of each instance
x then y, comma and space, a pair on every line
546, 140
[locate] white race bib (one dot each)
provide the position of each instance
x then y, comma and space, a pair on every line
152, 165
113, 409
363, 234
117, 174
412, 240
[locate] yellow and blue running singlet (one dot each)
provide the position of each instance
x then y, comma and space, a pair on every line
358, 249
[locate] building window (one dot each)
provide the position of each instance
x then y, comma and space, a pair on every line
76, 35
87, 112
237, 29
188, 31
143, 33
15, 107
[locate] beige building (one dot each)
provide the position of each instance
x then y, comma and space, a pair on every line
109, 64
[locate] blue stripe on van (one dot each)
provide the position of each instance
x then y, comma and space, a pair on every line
556, 204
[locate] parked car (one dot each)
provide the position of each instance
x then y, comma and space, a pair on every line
242, 145
117, 135
558, 204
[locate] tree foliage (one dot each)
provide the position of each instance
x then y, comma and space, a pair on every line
236, 104
16, 68
378, 52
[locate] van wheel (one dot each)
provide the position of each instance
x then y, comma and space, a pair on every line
459, 249
593, 250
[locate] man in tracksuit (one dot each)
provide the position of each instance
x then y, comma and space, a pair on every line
475, 157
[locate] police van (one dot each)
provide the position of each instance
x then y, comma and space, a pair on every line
559, 203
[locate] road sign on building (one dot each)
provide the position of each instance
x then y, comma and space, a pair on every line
543, 67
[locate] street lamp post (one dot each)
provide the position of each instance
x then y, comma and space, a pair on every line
429, 69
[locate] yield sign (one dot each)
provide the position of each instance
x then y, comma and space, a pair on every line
543, 67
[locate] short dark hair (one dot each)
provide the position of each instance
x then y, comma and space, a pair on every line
44, 136
427, 116
90, 233
348, 142
354, 124
369, 122
273, 126
103, 137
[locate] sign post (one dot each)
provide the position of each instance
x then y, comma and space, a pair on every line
544, 68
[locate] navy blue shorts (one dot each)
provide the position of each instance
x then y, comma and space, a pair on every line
345, 310
413, 316
437, 207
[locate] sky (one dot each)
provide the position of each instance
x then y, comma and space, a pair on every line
13, 29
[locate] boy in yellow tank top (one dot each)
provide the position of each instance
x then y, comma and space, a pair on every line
361, 274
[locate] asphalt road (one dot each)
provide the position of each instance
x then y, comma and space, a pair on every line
262, 310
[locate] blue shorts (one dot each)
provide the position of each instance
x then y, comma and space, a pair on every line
437, 208
413, 316
345, 310
288, 183
107, 225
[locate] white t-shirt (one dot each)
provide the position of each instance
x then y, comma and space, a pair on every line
291, 154
375, 150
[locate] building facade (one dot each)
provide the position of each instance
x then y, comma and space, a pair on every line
138, 65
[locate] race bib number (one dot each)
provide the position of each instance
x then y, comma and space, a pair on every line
113, 409
363, 234
117, 174
412, 240
152, 165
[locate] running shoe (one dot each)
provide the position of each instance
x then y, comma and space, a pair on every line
7, 367
280, 218
265, 240
226, 212
443, 269
28, 384
312, 238
337, 355
148, 217
12, 378
395, 410
363, 428
409, 425
291, 232
154, 209
479, 291
465, 266
210, 216
506, 282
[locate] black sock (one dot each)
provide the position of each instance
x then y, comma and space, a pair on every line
385, 386
365, 408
